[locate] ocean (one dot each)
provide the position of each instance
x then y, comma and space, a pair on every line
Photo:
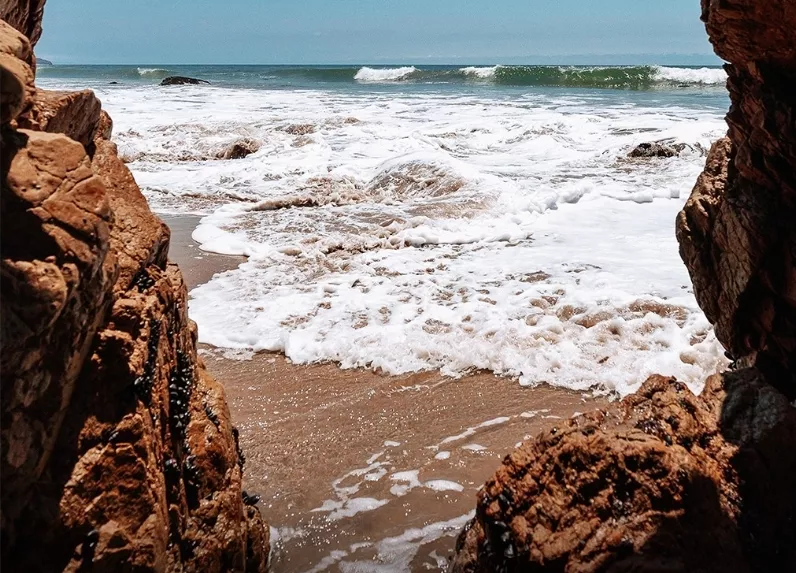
407, 218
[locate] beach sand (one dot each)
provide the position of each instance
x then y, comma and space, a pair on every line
352, 466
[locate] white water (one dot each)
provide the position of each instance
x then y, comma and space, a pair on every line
386, 74
442, 231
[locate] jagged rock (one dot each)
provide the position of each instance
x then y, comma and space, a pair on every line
75, 114
118, 451
737, 233
16, 75
181, 80
662, 149
25, 16
239, 149
664, 481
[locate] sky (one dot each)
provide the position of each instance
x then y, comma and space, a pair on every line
374, 31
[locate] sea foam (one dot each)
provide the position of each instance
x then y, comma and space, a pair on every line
383, 74
444, 230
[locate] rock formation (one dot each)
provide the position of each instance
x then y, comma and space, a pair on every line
118, 452
665, 480
737, 232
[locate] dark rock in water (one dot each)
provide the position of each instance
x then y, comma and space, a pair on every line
239, 149
181, 80
658, 149
43, 62
113, 83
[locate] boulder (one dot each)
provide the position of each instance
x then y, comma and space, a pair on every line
75, 114
664, 481
737, 233
181, 80
25, 16
16, 73
662, 149
118, 450
239, 149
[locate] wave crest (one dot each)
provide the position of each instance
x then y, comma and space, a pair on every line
152, 72
480, 72
383, 74
704, 76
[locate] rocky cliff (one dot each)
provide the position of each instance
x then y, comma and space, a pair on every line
737, 232
118, 452
665, 480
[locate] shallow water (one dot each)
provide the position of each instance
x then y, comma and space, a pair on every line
407, 219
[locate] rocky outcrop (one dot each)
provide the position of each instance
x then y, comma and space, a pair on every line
118, 452
239, 149
181, 80
664, 148
737, 232
665, 480
25, 16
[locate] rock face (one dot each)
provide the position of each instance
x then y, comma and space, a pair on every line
181, 80
737, 232
665, 480
118, 452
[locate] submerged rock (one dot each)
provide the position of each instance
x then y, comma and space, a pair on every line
239, 149
663, 149
118, 451
181, 80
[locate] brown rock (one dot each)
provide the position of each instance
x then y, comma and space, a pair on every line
737, 233
118, 451
239, 149
16, 74
75, 114
665, 481
25, 16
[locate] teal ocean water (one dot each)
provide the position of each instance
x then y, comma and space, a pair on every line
608, 77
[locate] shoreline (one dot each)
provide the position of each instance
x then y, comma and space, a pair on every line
356, 466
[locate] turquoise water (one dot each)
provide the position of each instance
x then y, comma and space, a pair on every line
638, 78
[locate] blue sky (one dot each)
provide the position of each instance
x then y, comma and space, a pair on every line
374, 31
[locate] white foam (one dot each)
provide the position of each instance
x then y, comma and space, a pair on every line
406, 481
474, 447
480, 72
443, 485
395, 554
429, 217
151, 71
443, 455
383, 74
707, 76
356, 505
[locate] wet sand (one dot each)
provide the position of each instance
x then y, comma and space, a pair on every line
362, 472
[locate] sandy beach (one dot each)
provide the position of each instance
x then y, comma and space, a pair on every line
353, 466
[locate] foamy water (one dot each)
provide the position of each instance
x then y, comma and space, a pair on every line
406, 230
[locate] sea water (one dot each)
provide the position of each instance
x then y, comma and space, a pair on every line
409, 218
